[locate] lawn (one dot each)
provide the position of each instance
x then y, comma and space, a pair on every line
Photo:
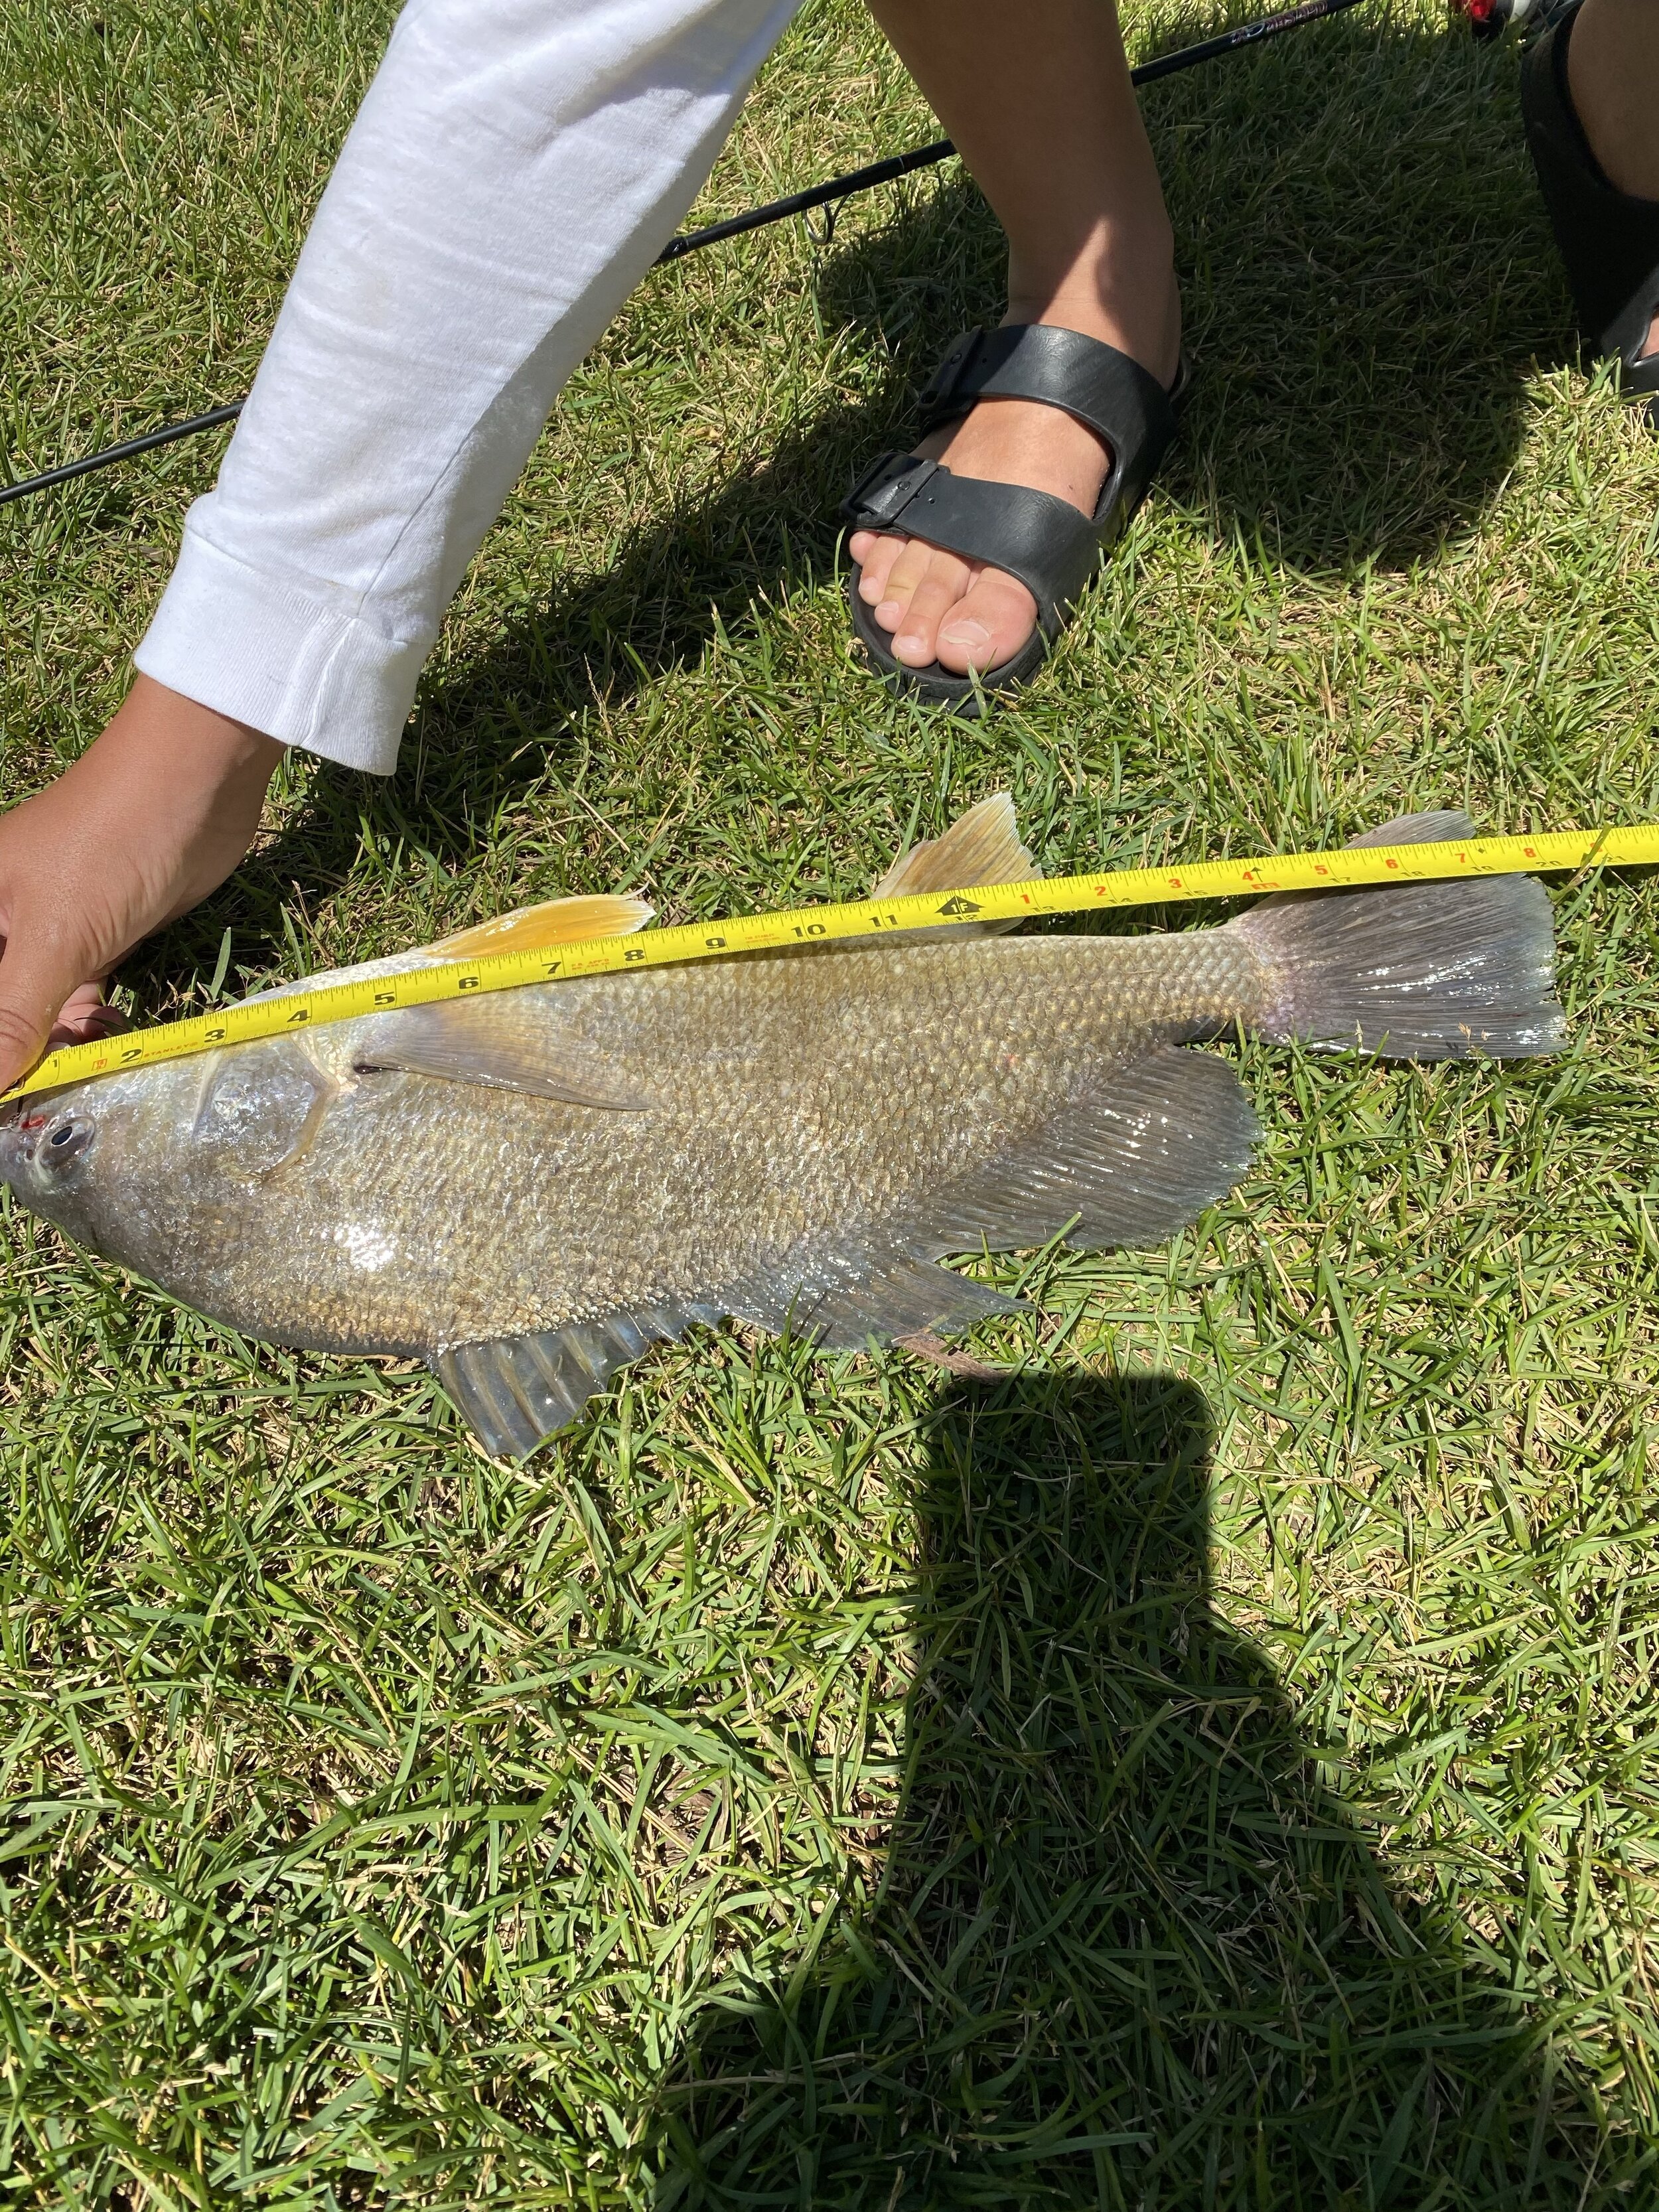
1210, 1768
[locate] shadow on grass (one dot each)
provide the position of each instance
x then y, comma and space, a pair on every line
1129, 1949
1368, 279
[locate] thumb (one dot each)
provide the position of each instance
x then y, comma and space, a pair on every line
32, 988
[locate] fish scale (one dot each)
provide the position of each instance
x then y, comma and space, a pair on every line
527, 1189
549, 1212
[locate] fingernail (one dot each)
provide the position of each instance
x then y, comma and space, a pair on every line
966, 632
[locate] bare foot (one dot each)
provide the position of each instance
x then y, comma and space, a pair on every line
964, 613
1613, 73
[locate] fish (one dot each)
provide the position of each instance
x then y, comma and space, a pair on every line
528, 1190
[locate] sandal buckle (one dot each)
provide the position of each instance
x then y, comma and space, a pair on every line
886, 489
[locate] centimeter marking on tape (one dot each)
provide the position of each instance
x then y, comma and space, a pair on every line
1351, 867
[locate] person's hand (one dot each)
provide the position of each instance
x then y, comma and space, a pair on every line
153, 816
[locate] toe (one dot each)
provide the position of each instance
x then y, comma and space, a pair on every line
875, 554
909, 565
989, 623
936, 594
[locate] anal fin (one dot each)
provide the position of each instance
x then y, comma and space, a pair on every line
515, 1392
845, 1303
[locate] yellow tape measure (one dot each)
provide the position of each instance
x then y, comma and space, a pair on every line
1350, 868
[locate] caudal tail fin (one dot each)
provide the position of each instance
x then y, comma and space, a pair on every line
1420, 971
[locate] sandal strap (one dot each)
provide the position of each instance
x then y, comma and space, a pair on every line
1044, 541
1089, 380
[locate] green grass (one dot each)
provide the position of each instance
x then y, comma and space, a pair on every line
1213, 1768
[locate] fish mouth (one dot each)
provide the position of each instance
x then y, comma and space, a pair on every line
20, 1130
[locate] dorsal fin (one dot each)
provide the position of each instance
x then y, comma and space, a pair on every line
555, 921
981, 846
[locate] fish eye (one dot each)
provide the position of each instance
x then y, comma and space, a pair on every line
64, 1142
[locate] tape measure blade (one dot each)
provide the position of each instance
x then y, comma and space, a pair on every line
1350, 867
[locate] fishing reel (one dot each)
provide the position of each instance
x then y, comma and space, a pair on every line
1490, 19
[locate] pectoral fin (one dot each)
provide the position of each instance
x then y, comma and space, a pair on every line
487, 1043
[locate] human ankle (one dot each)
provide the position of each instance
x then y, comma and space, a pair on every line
154, 715
1130, 300
1613, 76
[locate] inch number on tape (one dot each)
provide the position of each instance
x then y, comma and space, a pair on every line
1349, 868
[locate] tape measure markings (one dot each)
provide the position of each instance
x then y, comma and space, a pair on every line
1351, 867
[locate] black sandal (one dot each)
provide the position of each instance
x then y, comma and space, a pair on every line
1052, 548
1608, 240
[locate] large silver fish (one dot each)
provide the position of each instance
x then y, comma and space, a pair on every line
526, 1189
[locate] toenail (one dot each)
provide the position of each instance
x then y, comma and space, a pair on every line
966, 632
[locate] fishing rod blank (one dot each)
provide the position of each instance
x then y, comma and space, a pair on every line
694, 241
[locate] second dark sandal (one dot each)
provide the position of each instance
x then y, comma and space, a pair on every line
1608, 240
1046, 541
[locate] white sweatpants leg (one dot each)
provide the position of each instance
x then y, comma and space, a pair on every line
514, 170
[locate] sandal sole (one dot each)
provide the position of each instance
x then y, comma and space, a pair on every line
940, 686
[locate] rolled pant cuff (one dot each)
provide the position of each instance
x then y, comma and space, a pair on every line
291, 656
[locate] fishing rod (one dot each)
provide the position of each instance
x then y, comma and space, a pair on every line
829, 195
